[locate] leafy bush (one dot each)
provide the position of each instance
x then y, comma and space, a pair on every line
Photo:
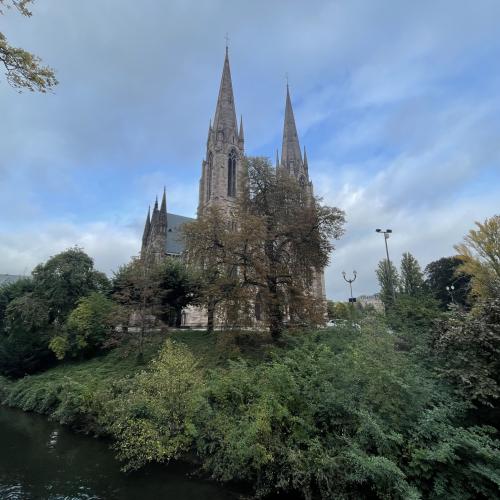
450, 461
467, 348
151, 415
26, 333
313, 421
86, 328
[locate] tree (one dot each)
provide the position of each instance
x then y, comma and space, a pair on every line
25, 338
179, 288
11, 291
210, 250
388, 279
480, 256
33, 311
136, 287
444, 273
87, 328
151, 415
467, 347
412, 278
23, 70
285, 239
64, 279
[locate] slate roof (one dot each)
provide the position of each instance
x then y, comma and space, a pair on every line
175, 245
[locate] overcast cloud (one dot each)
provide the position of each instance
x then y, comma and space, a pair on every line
396, 101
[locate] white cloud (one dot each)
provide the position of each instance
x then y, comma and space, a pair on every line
109, 245
396, 102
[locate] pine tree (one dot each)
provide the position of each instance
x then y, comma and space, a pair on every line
412, 278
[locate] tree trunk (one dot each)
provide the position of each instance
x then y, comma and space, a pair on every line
178, 317
210, 315
274, 310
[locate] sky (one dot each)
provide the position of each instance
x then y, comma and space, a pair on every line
396, 101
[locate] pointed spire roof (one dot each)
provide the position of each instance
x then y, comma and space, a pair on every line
277, 159
241, 135
154, 215
163, 208
290, 150
147, 226
225, 113
305, 160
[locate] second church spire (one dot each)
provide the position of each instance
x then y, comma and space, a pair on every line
291, 156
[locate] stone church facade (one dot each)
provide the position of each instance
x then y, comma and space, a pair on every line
221, 171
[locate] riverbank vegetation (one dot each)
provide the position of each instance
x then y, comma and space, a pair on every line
402, 404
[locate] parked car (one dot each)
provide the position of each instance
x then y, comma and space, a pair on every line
332, 323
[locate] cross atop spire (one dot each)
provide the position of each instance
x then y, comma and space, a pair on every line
225, 113
291, 156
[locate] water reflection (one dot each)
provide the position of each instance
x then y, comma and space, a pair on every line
44, 461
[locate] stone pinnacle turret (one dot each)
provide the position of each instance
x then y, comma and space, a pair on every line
147, 229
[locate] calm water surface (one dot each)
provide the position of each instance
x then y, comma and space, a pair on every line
42, 460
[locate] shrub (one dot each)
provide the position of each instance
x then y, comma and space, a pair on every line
151, 415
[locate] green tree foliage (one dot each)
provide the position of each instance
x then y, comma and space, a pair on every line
87, 328
136, 287
338, 310
444, 273
23, 69
341, 421
388, 279
447, 460
467, 347
412, 278
11, 291
64, 279
25, 337
480, 256
179, 288
34, 310
151, 416
413, 319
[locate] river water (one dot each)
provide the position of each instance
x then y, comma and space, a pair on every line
42, 460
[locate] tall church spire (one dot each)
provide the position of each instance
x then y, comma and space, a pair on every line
291, 157
223, 168
225, 113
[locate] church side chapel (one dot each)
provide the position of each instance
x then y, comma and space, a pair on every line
220, 186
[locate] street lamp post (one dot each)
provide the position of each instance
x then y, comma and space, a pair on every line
386, 234
350, 281
450, 289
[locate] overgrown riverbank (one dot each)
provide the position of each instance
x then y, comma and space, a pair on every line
332, 413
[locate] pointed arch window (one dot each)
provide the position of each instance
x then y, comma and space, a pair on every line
210, 169
302, 181
231, 173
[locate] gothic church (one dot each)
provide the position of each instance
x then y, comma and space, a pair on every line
219, 183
